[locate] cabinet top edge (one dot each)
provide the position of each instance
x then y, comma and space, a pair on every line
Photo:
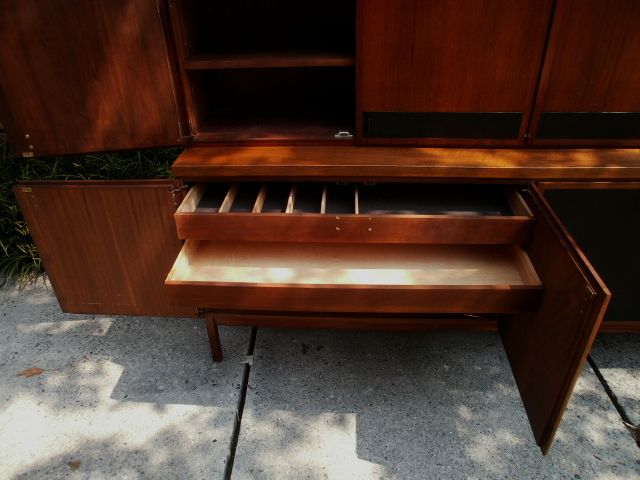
351, 162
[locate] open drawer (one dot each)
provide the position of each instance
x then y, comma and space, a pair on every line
550, 298
354, 213
338, 277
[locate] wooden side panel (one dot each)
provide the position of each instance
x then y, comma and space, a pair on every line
106, 246
547, 349
85, 75
454, 56
592, 64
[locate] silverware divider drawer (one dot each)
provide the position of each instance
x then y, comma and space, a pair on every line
354, 213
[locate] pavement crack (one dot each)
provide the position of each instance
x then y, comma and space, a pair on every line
248, 362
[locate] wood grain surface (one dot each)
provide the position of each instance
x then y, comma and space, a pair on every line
592, 63
106, 246
406, 163
547, 349
85, 76
453, 56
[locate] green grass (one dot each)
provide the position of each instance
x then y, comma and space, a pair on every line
19, 259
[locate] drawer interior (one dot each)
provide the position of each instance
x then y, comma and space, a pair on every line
354, 213
354, 198
344, 264
341, 277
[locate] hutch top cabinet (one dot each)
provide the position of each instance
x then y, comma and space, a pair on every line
348, 164
83, 76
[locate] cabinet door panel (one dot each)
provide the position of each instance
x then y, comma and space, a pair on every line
84, 76
454, 72
547, 349
106, 246
589, 90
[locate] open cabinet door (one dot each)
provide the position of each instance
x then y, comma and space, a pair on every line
106, 246
547, 349
85, 76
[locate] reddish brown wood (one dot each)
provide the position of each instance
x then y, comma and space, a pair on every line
592, 63
270, 227
453, 56
547, 349
268, 60
329, 278
214, 336
351, 322
629, 326
270, 131
106, 246
404, 163
85, 76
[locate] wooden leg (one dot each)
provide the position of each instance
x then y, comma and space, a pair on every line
214, 336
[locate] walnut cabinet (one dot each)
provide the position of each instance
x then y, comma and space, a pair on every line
396, 164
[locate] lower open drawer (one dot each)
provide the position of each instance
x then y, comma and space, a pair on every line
385, 278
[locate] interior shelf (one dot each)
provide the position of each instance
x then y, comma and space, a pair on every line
250, 26
214, 61
273, 104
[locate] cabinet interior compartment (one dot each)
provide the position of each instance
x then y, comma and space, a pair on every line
253, 28
403, 278
273, 104
341, 198
433, 199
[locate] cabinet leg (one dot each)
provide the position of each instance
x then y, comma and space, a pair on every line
214, 337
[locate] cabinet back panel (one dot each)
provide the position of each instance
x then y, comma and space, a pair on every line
432, 199
279, 25
606, 225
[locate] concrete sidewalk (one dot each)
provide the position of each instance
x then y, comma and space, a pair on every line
123, 397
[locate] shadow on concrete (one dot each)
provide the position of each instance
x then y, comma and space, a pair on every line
411, 405
126, 397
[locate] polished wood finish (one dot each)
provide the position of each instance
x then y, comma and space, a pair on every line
106, 246
214, 336
268, 60
627, 326
592, 63
452, 228
353, 278
453, 56
309, 227
547, 349
85, 76
358, 322
405, 163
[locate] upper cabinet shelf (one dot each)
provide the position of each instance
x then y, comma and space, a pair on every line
216, 61
247, 29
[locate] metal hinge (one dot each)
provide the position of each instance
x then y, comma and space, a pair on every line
343, 134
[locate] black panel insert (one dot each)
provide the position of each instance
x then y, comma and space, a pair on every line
504, 125
605, 225
587, 125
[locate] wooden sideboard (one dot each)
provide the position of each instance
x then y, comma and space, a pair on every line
400, 164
